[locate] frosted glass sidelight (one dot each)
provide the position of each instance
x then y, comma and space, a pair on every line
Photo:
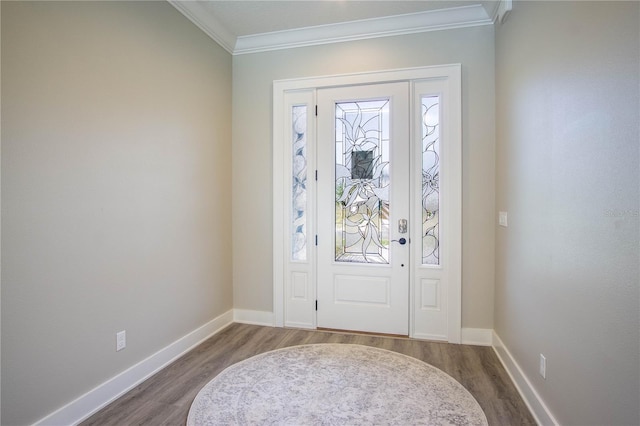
299, 186
430, 180
362, 181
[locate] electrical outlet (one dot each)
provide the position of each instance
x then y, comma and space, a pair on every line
543, 366
121, 340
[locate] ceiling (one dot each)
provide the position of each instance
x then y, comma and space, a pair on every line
248, 26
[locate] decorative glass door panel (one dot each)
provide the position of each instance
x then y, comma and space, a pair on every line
299, 183
363, 208
362, 181
430, 180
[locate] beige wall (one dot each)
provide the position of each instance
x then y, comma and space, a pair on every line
253, 76
116, 163
567, 270
116, 166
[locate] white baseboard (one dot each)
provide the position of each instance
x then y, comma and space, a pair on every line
536, 404
477, 336
246, 316
97, 398
432, 337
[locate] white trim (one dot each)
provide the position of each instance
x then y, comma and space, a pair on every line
531, 397
197, 13
279, 228
502, 11
492, 9
411, 23
105, 393
454, 201
477, 336
368, 77
425, 336
246, 316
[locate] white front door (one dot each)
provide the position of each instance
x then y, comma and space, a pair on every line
363, 207
386, 147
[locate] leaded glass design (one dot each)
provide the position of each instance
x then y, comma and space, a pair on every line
362, 165
362, 181
430, 180
299, 187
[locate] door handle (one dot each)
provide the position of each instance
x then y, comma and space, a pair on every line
402, 241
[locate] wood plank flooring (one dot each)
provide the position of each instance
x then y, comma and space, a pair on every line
165, 398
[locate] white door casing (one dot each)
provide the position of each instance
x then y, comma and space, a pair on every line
434, 290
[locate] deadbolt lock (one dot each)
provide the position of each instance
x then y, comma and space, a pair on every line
402, 226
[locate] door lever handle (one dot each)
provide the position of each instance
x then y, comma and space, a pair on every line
402, 241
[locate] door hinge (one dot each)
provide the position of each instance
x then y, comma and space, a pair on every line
316, 175
316, 305
316, 239
316, 110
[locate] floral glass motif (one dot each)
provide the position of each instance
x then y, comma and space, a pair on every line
362, 181
430, 180
299, 186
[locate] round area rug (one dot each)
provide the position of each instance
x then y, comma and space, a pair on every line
334, 384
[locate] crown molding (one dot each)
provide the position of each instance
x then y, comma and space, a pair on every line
196, 12
434, 20
443, 19
502, 10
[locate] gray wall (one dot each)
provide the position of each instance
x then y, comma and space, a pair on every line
567, 273
116, 163
253, 76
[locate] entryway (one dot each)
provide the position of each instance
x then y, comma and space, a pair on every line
367, 178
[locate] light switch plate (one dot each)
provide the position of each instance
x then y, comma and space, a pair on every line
121, 340
502, 219
543, 366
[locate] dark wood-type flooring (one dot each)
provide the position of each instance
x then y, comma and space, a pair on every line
165, 398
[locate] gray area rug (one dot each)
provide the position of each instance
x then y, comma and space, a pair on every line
334, 384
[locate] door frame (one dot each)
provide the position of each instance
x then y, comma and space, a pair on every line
302, 90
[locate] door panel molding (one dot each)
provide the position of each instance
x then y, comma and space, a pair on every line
288, 307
